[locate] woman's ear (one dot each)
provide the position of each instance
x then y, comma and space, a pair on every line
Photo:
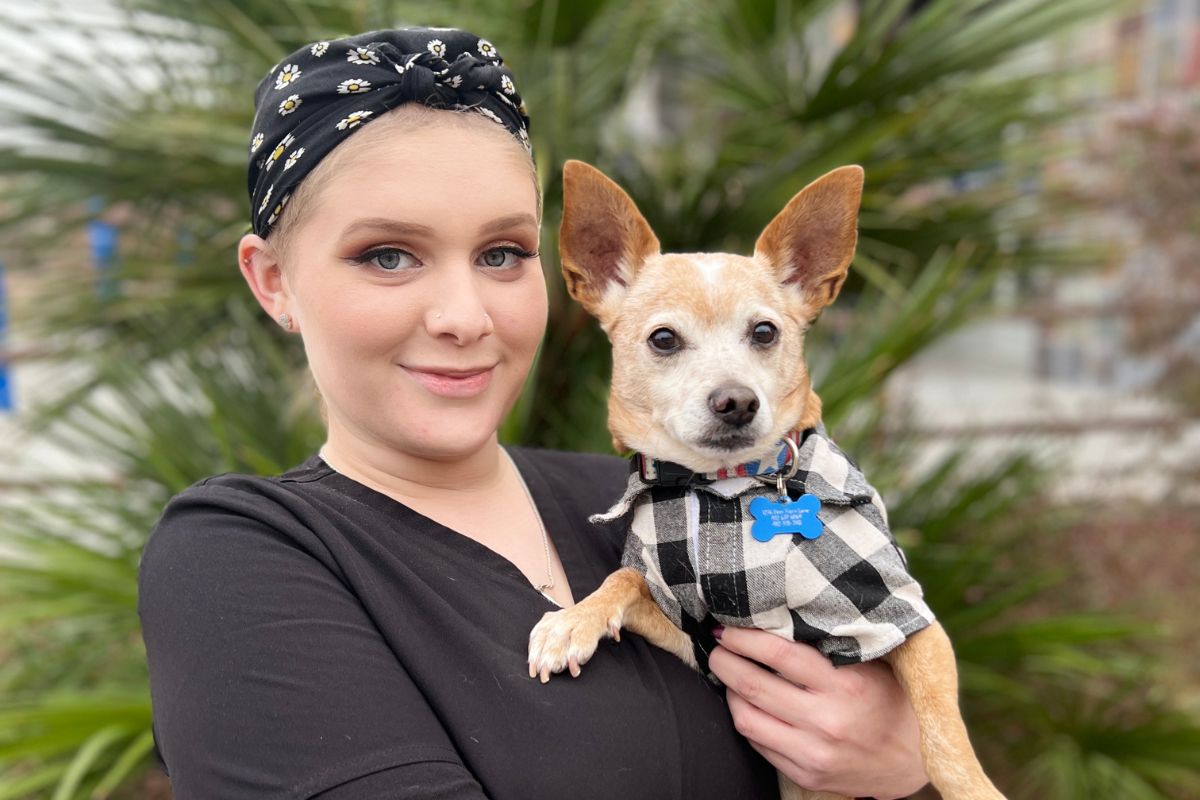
261, 267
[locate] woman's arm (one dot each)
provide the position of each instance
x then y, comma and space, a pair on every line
849, 730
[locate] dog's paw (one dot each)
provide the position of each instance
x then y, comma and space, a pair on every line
566, 639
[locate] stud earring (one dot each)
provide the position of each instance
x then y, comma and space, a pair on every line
285, 322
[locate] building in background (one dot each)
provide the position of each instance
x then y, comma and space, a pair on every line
1098, 367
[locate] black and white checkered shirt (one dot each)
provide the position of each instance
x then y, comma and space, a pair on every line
847, 592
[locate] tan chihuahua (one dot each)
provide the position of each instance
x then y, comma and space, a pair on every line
710, 385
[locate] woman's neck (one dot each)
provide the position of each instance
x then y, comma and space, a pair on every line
414, 475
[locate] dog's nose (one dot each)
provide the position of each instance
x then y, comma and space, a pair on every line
733, 404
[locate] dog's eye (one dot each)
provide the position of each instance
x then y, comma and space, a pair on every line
664, 340
764, 333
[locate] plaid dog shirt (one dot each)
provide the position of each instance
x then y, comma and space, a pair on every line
847, 592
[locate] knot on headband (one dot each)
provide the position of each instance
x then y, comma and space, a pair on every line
316, 97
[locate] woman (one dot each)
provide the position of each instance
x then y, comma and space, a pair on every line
357, 627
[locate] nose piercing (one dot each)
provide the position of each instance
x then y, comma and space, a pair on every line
437, 315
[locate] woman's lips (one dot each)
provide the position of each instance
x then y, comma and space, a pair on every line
452, 382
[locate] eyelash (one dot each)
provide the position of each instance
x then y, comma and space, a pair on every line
370, 255
516, 250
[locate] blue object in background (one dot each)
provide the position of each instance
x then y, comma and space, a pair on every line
6, 397
102, 240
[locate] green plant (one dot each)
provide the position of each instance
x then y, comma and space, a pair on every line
183, 374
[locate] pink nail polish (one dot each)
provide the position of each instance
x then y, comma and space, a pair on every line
717, 631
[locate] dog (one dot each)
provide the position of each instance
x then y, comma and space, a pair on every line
711, 390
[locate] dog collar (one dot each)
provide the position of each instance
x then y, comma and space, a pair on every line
656, 472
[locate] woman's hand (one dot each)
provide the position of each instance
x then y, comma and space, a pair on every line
848, 730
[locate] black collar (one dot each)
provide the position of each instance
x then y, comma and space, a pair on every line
655, 472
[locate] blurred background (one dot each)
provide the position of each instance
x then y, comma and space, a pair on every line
1014, 360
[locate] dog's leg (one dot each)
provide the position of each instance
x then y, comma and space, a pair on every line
925, 667
566, 639
790, 791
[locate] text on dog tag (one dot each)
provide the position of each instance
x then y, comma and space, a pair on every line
775, 517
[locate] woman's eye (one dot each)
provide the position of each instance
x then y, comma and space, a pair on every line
388, 259
764, 333
505, 257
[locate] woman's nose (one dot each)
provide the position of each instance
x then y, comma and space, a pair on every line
457, 311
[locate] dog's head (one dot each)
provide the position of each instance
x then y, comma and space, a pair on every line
708, 348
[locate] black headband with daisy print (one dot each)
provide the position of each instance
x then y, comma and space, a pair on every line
317, 96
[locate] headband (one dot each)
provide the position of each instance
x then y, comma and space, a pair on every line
315, 98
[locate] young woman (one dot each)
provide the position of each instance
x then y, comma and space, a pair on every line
357, 627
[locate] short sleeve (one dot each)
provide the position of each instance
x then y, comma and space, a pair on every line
268, 678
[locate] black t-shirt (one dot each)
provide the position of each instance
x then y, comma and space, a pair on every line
309, 637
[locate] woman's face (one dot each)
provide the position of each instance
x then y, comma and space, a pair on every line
416, 286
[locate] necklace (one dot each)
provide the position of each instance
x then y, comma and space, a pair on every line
549, 584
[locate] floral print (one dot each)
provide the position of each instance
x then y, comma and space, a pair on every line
279, 150
354, 86
362, 55
374, 71
283, 201
487, 112
355, 119
290, 104
287, 76
293, 158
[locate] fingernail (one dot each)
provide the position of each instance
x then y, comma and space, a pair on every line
717, 631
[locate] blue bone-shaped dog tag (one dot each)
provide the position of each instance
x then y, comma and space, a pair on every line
785, 516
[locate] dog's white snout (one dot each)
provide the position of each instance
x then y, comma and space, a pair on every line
734, 404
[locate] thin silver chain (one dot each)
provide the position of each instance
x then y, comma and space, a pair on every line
545, 587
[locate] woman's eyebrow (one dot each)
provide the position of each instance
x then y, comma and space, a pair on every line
397, 227
387, 225
508, 223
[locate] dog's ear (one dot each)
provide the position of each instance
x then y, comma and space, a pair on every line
811, 242
603, 238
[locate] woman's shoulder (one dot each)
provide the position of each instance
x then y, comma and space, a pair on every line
312, 469
255, 494
235, 510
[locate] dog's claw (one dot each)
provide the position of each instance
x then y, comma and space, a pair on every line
566, 639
